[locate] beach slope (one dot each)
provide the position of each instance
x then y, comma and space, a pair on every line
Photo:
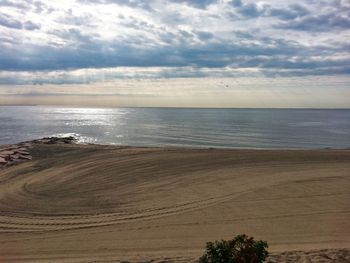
93, 203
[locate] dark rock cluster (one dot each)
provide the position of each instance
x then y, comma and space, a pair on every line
56, 140
12, 154
16, 153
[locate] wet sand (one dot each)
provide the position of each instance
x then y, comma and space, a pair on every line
76, 203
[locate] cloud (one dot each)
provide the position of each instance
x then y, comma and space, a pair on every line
14, 4
31, 26
27, 5
324, 22
290, 13
298, 16
204, 35
185, 38
7, 21
236, 3
86, 51
197, 3
249, 10
253, 10
202, 4
131, 3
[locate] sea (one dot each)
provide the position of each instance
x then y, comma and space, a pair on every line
181, 127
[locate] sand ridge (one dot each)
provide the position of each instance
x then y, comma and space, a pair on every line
86, 203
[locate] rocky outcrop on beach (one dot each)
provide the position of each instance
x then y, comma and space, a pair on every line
56, 140
17, 153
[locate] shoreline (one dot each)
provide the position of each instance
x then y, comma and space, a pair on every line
75, 140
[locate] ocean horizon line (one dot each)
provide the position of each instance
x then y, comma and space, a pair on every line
170, 107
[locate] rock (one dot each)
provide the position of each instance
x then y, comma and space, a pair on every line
6, 149
6, 152
26, 157
23, 152
2, 161
13, 147
17, 153
56, 140
14, 156
20, 149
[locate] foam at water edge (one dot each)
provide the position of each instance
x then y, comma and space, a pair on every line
79, 138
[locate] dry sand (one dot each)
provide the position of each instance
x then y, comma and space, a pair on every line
75, 203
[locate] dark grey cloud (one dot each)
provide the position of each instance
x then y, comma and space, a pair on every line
204, 35
324, 22
75, 36
249, 10
147, 4
252, 10
236, 3
298, 16
89, 52
10, 22
293, 12
326, 71
31, 26
197, 3
298, 63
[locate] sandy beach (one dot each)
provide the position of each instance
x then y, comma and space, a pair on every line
93, 203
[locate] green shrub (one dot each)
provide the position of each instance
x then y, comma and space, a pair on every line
241, 249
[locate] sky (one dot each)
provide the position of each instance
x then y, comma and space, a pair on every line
179, 53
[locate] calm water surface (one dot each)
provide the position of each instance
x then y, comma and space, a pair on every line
228, 128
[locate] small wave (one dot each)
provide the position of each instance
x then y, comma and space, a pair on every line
80, 138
